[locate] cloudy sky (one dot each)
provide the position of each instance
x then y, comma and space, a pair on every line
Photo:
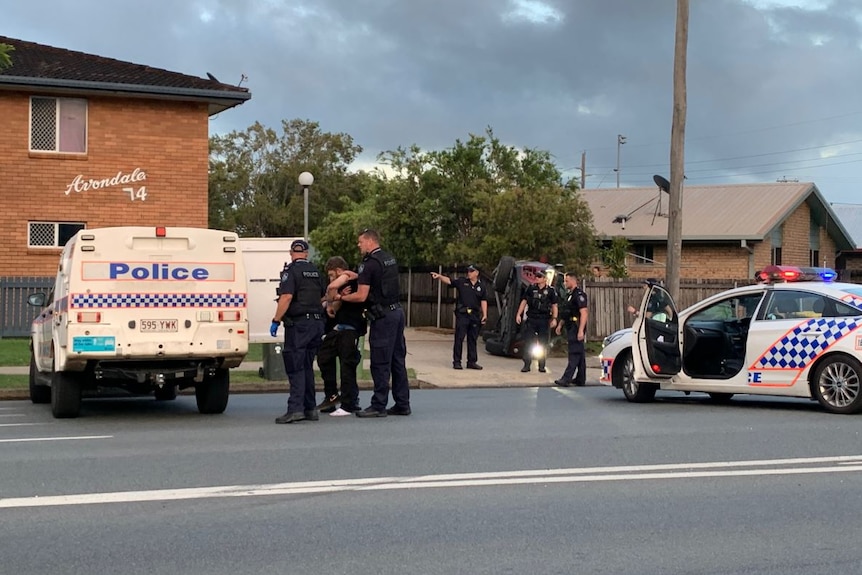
774, 86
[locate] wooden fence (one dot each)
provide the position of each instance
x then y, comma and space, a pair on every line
428, 302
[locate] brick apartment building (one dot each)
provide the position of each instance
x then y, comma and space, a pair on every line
90, 142
728, 231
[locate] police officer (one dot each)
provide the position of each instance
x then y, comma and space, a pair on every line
574, 316
378, 287
471, 313
340, 345
540, 300
299, 307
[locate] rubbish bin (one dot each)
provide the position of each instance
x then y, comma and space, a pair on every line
273, 364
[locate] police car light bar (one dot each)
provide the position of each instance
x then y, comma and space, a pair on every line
772, 274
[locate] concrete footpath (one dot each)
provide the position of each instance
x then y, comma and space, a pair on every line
429, 354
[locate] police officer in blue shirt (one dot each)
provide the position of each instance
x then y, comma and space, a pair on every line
471, 313
299, 306
540, 301
378, 286
574, 315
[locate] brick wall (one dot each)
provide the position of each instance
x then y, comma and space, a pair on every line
166, 140
721, 261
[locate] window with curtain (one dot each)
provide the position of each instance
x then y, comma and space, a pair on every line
58, 125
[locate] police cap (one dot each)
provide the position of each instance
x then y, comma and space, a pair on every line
299, 246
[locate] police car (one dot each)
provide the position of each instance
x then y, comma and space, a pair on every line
795, 333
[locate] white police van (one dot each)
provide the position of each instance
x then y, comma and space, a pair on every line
144, 309
796, 333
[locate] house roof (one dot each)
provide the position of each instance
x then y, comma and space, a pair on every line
850, 216
711, 213
50, 69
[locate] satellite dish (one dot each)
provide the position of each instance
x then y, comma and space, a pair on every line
213, 78
662, 183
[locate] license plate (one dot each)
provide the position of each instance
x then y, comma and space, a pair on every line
158, 325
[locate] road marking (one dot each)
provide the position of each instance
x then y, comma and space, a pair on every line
837, 464
19, 424
70, 438
11, 415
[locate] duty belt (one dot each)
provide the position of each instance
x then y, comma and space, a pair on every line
306, 316
393, 306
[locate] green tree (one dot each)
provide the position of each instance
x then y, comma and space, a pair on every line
5, 55
614, 256
253, 186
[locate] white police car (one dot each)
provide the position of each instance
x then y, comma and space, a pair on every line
795, 334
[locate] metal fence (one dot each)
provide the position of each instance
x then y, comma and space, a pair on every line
15, 313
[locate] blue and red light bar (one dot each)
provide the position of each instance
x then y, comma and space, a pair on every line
772, 274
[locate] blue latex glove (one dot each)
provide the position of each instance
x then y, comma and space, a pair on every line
273, 328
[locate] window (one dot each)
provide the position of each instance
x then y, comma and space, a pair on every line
644, 254
58, 125
777, 239
51, 234
776, 256
799, 305
814, 258
731, 309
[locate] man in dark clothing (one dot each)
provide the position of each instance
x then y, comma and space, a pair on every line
378, 287
540, 301
345, 325
574, 315
471, 313
299, 306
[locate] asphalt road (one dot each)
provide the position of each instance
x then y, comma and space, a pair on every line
519, 480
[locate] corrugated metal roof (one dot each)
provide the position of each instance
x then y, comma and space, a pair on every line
709, 213
851, 217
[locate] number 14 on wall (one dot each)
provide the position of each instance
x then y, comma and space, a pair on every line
139, 194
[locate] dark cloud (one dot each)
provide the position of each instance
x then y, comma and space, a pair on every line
768, 88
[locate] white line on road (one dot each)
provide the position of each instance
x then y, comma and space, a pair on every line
70, 438
19, 424
11, 415
838, 464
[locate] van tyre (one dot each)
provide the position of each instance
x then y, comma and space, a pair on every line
837, 384
212, 394
38, 393
65, 394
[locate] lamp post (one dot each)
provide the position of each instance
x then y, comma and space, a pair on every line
305, 180
620, 141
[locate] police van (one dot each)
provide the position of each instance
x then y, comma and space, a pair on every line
143, 309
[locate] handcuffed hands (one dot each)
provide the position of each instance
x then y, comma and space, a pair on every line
273, 328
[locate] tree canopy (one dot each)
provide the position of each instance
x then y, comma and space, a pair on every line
473, 202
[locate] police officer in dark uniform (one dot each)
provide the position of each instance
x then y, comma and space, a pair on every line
346, 324
574, 316
378, 287
471, 313
540, 301
299, 306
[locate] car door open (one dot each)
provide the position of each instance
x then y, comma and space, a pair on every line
657, 335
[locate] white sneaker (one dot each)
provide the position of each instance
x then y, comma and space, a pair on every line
339, 413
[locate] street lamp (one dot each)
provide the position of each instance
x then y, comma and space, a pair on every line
620, 141
305, 180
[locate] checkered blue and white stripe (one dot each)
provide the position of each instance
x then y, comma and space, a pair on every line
800, 346
158, 300
853, 300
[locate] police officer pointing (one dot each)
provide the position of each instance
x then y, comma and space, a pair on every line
574, 314
471, 313
541, 317
299, 306
378, 287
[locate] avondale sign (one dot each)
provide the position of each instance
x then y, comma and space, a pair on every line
125, 179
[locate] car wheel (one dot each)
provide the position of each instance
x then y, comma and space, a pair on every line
837, 384
717, 397
166, 393
504, 272
213, 392
65, 394
635, 392
38, 393
623, 373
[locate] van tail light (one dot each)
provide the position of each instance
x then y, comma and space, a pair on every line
89, 317
229, 316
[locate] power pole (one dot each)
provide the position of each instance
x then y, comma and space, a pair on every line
620, 141
583, 170
677, 151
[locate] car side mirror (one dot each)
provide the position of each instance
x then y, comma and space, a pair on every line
37, 300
